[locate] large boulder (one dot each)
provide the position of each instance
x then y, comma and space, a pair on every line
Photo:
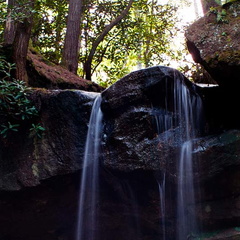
40, 177
131, 107
219, 169
213, 41
25, 160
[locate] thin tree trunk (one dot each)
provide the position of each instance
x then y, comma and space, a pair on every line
10, 29
71, 44
21, 42
107, 29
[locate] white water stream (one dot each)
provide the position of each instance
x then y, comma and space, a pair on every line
87, 226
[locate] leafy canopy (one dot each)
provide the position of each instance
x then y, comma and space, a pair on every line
142, 39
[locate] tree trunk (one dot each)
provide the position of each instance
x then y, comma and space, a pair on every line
21, 41
71, 44
10, 29
107, 29
207, 4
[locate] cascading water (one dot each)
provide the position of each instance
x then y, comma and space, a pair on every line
190, 111
164, 121
183, 117
162, 196
176, 114
87, 216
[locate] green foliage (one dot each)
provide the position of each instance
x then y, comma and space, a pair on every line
143, 38
221, 15
18, 13
3, 15
21, 11
8, 128
49, 28
15, 105
14, 101
5, 68
37, 130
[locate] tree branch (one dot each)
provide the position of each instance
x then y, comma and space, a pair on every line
107, 29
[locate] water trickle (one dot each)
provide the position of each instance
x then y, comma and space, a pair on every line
164, 122
190, 111
177, 123
87, 216
161, 187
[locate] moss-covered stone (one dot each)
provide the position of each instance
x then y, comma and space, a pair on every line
45, 74
213, 41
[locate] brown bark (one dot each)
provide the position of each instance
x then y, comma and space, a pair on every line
21, 41
10, 29
207, 4
88, 63
71, 44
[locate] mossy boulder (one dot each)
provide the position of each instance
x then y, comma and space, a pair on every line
45, 74
213, 41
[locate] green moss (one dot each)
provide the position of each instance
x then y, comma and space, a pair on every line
225, 56
229, 56
60, 80
206, 235
47, 62
34, 50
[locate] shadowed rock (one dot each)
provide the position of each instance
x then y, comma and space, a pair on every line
26, 159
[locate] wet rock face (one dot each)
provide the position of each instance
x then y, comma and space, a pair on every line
213, 42
131, 137
218, 153
25, 160
47, 211
46, 172
219, 171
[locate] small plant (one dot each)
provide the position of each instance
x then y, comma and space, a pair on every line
15, 105
6, 67
37, 130
221, 15
14, 100
8, 128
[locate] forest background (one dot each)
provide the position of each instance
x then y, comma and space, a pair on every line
99, 40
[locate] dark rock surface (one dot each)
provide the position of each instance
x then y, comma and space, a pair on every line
47, 211
213, 42
129, 106
40, 178
26, 160
219, 169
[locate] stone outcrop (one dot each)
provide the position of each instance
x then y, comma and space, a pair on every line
40, 177
45, 74
213, 41
25, 160
219, 169
130, 106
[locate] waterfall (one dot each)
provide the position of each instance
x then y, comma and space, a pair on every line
189, 110
162, 196
164, 121
87, 216
178, 123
